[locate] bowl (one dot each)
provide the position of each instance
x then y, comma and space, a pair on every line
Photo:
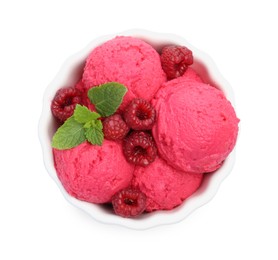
70, 73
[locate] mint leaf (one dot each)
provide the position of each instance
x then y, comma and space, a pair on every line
88, 125
94, 135
81, 126
83, 115
99, 124
69, 135
107, 97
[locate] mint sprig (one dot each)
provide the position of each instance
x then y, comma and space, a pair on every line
107, 97
81, 126
86, 125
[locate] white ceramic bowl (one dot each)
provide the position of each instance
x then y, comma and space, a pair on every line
69, 75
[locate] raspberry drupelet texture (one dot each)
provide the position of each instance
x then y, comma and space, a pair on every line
129, 202
140, 114
64, 102
114, 127
175, 60
139, 148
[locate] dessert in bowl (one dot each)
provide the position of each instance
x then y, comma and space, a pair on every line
173, 133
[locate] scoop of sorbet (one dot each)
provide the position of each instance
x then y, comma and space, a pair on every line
129, 61
164, 186
93, 173
196, 126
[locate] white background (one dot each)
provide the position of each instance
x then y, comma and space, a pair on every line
36, 222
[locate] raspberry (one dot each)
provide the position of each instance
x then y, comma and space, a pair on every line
175, 60
129, 202
140, 114
114, 127
64, 102
139, 148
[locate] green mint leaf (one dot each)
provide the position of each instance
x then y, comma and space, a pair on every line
88, 125
69, 135
98, 124
107, 97
83, 115
94, 135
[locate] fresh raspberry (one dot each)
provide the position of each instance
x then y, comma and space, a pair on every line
129, 202
175, 60
139, 148
140, 114
114, 127
64, 102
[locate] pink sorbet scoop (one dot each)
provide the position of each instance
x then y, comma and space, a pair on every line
196, 126
93, 173
164, 186
129, 61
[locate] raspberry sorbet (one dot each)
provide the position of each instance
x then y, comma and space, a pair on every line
163, 135
93, 173
196, 126
130, 61
164, 186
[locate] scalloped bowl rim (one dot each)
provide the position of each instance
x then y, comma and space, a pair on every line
157, 218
